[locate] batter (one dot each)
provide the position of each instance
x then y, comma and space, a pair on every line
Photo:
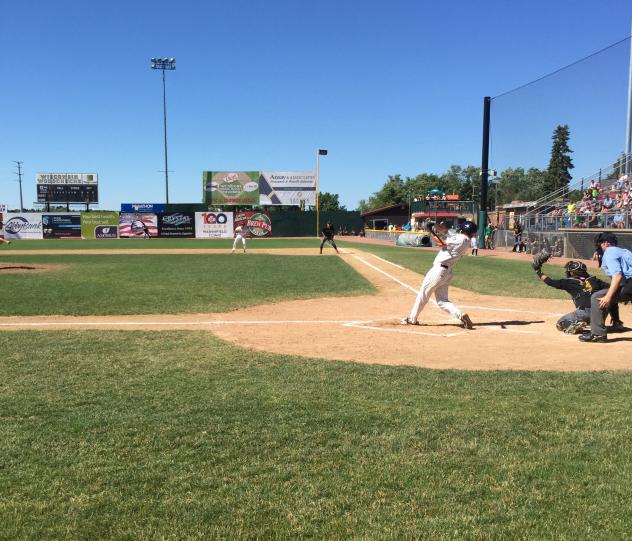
439, 276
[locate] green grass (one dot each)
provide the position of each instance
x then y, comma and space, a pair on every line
145, 244
484, 275
176, 435
167, 284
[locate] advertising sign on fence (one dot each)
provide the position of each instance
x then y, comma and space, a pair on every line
99, 225
257, 224
287, 188
149, 208
25, 225
61, 226
132, 225
3, 210
213, 225
176, 225
230, 187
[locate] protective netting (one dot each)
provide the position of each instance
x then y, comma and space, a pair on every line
589, 97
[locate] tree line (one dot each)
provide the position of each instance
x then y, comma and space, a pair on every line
514, 183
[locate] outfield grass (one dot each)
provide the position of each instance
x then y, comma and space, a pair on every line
167, 284
176, 435
157, 243
487, 276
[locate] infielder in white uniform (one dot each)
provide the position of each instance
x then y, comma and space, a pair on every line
239, 234
438, 278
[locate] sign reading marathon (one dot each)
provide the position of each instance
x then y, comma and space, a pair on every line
176, 224
149, 208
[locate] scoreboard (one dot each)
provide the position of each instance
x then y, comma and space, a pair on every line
67, 188
67, 193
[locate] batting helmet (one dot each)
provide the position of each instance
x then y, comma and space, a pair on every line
468, 228
575, 268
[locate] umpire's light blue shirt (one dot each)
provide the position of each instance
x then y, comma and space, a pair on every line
617, 260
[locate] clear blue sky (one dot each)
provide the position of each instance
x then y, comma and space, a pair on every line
387, 87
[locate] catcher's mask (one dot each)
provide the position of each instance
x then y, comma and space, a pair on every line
576, 268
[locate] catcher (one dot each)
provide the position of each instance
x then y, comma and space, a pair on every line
580, 286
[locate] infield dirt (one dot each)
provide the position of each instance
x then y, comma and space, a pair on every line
509, 333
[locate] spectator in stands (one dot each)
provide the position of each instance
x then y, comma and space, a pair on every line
608, 202
618, 220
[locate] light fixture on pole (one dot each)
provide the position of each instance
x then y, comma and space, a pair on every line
164, 64
321, 152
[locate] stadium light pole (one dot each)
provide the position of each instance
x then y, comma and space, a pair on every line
164, 64
482, 211
321, 152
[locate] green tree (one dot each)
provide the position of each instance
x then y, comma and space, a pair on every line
560, 165
329, 202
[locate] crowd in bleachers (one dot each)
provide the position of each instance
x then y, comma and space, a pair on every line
608, 205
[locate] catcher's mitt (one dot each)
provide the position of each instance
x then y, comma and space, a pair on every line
540, 259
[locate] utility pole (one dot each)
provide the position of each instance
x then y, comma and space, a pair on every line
19, 174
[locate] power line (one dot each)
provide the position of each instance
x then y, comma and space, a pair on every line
19, 174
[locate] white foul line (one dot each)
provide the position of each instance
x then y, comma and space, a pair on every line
172, 323
389, 262
386, 274
406, 286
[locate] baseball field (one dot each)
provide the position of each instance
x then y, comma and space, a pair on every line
169, 389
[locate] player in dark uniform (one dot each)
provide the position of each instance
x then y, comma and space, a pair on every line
328, 236
580, 286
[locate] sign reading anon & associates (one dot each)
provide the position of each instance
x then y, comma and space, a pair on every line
230, 187
287, 188
67, 188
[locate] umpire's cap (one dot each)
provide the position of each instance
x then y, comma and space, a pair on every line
468, 228
606, 236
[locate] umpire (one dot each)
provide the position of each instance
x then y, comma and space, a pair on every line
328, 236
580, 286
617, 263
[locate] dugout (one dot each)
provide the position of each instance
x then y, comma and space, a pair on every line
397, 215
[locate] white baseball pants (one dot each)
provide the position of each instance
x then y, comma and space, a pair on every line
436, 281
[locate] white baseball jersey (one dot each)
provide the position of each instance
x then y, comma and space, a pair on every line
456, 245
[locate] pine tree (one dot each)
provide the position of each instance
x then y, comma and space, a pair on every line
558, 174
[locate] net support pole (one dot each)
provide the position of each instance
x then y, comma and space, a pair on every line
628, 133
482, 211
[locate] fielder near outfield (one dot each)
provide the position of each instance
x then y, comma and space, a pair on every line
438, 278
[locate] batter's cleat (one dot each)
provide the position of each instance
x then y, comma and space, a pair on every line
578, 327
590, 337
467, 322
408, 321
617, 326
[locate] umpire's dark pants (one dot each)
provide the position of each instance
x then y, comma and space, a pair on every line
597, 315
